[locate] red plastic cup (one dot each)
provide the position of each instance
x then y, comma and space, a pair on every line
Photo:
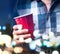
27, 22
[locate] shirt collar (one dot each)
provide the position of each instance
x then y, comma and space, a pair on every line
40, 0
54, 1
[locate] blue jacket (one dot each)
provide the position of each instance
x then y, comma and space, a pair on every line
44, 20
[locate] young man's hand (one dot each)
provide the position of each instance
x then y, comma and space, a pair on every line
20, 34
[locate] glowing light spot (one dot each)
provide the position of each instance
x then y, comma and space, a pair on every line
0, 27
32, 45
55, 52
42, 52
4, 27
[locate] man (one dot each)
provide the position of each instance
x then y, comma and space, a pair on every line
46, 16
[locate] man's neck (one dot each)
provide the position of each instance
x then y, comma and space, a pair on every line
47, 3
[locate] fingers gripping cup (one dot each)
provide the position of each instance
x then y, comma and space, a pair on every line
27, 22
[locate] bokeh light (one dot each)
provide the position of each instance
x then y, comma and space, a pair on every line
42, 52
55, 52
32, 45
3, 27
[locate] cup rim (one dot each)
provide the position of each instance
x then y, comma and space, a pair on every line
22, 15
